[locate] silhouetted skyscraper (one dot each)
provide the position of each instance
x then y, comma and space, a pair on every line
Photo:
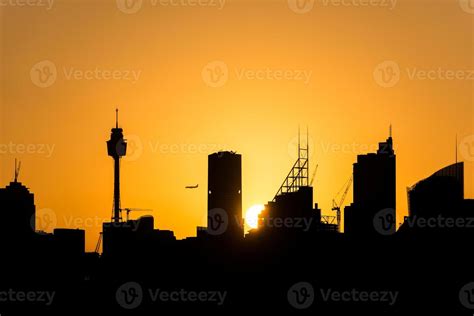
441, 193
224, 199
374, 189
17, 208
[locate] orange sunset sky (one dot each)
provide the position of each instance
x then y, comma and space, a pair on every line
241, 75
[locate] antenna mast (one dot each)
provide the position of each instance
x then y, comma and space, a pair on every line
456, 148
298, 175
17, 170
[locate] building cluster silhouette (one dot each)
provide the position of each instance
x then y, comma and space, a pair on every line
294, 242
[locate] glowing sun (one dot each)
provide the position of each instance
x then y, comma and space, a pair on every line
251, 216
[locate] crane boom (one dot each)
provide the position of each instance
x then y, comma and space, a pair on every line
314, 175
337, 206
344, 195
128, 210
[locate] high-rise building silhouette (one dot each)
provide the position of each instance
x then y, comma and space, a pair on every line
224, 196
292, 213
293, 203
17, 206
440, 194
374, 189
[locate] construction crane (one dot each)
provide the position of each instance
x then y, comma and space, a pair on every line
128, 210
97, 247
337, 206
313, 176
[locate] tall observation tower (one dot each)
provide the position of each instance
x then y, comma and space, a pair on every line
116, 148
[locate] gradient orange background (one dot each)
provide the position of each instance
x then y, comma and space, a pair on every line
171, 104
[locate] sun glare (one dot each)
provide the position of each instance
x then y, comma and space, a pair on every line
251, 216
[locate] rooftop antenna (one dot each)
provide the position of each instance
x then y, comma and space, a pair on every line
299, 156
456, 155
390, 130
307, 155
298, 175
116, 118
299, 142
456, 148
17, 170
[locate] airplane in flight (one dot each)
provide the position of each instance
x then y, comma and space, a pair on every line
192, 186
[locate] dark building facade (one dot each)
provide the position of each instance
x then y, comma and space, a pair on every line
293, 213
440, 194
18, 210
70, 242
374, 189
224, 199
133, 237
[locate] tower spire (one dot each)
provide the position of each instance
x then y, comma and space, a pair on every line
390, 130
116, 118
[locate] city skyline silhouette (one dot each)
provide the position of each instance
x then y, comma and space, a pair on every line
234, 156
288, 228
